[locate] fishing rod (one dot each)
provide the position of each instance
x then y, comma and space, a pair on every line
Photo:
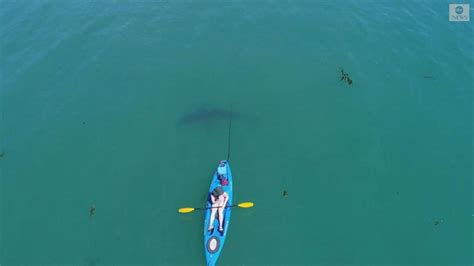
228, 139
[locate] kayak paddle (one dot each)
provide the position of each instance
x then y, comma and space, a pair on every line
241, 205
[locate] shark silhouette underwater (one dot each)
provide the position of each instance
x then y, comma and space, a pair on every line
205, 115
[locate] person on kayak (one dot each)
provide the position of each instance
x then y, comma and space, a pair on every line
219, 200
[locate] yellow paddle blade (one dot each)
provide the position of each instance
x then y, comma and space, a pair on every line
185, 210
245, 205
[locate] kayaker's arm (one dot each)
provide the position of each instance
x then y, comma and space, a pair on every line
226, 198
213, 199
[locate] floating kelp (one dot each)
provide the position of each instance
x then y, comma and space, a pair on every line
92, 210
345, 77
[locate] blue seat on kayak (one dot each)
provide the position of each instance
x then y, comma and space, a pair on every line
222, 170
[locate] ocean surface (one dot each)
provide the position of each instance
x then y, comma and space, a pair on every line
378, 172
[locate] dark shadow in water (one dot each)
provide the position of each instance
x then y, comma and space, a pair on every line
208, 116
92, 261
205, 115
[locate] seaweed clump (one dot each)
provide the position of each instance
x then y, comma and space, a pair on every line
92, 210
345, 77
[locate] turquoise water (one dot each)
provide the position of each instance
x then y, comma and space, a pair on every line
379, 172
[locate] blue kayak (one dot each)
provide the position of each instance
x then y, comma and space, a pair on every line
214, 239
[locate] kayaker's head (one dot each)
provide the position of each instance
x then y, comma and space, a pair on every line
218, 191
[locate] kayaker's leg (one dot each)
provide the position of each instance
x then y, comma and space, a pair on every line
212, 218
221, 218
